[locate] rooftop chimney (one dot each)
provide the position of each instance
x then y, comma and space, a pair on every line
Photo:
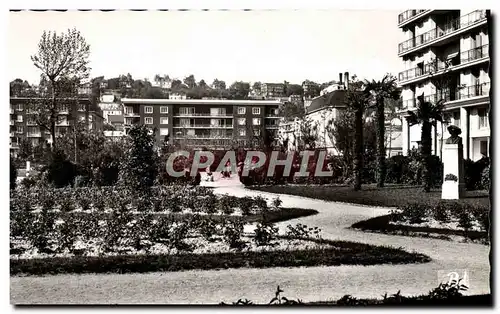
346, 79
340, 79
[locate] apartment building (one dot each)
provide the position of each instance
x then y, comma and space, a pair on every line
197, 123
272, 90
23, 125
444, 55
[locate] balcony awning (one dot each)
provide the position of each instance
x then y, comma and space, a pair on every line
452, 55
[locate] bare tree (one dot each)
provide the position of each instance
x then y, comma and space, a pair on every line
63, 61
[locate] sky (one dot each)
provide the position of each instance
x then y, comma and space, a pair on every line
266, 46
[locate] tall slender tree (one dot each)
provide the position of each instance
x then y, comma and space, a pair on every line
380, 91
427, 114
63, 61
357, 99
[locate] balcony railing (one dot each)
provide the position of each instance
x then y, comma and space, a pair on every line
35, 134
467, 92
436, 66
207, 126
132, 114
208, 114
437, 32
474, 54
203, 137
408, 14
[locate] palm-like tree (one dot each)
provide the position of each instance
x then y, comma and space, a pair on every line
380, 91
356, 99
427, 114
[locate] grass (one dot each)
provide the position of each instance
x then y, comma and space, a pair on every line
340, 253
389, 196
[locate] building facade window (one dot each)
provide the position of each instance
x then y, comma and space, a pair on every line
242, 121
163, 109
164, 131
148, 120
242, 132
256, 132
186, 110
129, 110
217, 111
19, 107
164, 120
241, 110
19, 129
255, 110
148, 109
19, 118
483, 118
33, 130
456, 118
256, 121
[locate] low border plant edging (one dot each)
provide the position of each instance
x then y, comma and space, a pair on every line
341, 253
382, 224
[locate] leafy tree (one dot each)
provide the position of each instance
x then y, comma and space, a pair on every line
239, 90
153, 93
63, 61
256, 87
13, 174
176, 84
202, 84
308, 134
190, 81
138, 170
61, 172
382, 90
294, 89
313, 89
356, 101
17, 86
291, 110
427, 114
219, 85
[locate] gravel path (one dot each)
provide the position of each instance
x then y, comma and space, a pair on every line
309, 284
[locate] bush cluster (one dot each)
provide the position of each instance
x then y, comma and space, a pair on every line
444, 211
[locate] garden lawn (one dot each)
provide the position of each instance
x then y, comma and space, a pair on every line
389, 196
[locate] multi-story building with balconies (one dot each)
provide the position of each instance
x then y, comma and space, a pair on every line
197, 123
23, 123
272, 90
445, 56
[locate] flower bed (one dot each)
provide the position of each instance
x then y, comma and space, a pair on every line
442, 219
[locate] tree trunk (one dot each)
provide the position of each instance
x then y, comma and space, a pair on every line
426, 154
53, 116
358, 149
381, 144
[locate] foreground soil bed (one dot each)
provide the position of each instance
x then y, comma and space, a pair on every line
329, 253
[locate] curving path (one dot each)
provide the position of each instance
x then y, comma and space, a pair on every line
309, 284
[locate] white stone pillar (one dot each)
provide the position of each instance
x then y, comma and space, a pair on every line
453, 172
464, 126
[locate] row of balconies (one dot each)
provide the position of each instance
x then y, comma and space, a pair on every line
449, 28
467, 92
197, 114
408, 14
438, 65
